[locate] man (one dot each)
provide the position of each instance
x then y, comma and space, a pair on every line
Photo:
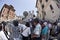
58, 31
37, 30
45, 31
2, 35
26, 32
14, 31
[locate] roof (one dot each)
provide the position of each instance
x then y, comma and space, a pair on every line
36, 2
6, 6
12, 8
0, 13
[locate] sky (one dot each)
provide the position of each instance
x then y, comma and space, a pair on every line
20, 5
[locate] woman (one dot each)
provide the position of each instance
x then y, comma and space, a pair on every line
26, 32
2, 35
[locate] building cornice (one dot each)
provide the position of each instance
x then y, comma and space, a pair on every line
36, 2
12, 8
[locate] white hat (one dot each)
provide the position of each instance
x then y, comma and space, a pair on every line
45, 23
58, 24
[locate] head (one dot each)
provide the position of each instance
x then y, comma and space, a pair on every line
15, 23
41, 22
55, 23
0, 26
45, 23
32, 24
33, 15
58, 24
35, 21
27, 24
4, 23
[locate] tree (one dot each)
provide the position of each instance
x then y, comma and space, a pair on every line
25, 13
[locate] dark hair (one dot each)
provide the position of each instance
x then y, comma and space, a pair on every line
15, 22
36, 20
27, 24
55, 23
4, 23
33, 15
0, 26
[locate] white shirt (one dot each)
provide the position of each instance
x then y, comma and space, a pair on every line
37, 30
26, 32
49, 25
58, 24
22, 26
2, 36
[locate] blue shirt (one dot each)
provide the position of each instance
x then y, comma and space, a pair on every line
45, 30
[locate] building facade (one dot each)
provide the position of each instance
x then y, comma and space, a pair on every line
48, 10
7, 12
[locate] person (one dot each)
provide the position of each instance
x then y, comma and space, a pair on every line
50, 29
45, 31
22, 27
8, 28
49, 25
14, 31
58, 31
4, 26
2, 35
26, 32
37, 30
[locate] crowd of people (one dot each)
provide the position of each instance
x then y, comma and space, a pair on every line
32, 30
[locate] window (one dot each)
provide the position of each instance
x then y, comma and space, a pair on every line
42, 6
44, 13
2, 15
7, 17
37, 11
3, 10
51, 7
52, 11
46, 0
58, 5
40, 15
40, 1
